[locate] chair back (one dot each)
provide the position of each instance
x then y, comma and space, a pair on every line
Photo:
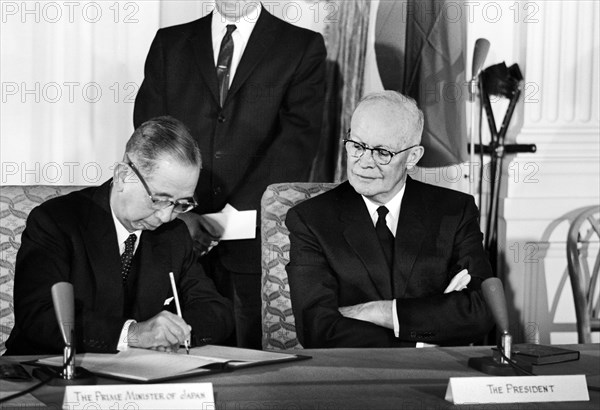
279, 326
583, 258
15, 204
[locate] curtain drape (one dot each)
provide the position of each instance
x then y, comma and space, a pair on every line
345, 39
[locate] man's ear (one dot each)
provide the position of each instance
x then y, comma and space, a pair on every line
120, 176
415, 155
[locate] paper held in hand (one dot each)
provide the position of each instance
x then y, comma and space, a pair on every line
233, 224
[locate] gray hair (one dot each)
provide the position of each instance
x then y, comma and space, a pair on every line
163, 137
409, 117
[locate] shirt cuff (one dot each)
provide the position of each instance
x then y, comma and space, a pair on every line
395, 319
123, 337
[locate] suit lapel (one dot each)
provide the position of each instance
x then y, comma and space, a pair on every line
410, 234
360, 234
100, 239
261, 40
201, 43
153, 282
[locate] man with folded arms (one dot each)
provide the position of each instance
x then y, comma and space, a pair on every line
116, 244
383, 260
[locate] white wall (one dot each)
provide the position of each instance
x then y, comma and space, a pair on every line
555, 44
69, 74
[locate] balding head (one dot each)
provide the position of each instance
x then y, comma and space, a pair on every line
400, 111
384, 142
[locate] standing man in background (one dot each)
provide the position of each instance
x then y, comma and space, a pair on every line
251, 88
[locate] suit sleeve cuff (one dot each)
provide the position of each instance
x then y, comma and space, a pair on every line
395, 319
123, 337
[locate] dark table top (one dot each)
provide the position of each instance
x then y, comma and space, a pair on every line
356, 379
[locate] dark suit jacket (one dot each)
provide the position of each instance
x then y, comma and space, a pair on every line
73, 238
269, 127
336, 260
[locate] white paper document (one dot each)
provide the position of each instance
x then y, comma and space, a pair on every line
150, 365
233, 224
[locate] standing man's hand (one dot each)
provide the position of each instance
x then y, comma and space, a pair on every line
165, 332
202, 232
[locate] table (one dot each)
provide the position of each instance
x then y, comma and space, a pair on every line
358, 379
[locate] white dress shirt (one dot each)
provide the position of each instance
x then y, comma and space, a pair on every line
240, 36
391, 220
122, 235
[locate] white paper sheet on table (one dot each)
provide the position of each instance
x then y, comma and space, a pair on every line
233, 223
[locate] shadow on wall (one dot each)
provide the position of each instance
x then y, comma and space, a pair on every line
546, 295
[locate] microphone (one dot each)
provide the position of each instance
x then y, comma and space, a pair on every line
64, 308
493, 294
480, 52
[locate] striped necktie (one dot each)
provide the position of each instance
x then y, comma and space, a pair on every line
224, 63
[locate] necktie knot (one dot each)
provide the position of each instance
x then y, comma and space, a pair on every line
130, 242
386, 238
382, 211
231, 28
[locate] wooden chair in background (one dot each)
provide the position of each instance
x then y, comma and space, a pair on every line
583, 238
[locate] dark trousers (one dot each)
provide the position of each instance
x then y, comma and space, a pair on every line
244, 290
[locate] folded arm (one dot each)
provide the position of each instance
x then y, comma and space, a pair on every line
452, 314
314, 292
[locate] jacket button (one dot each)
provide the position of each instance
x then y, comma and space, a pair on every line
221, 118
217, 190
218, 155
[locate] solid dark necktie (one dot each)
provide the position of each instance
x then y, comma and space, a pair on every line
127, 257
386, 238
224, 63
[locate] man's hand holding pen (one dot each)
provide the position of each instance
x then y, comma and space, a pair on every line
164, 332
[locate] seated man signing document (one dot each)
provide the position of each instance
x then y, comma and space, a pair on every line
383, 260
116, 244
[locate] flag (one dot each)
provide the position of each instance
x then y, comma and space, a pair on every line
434, 75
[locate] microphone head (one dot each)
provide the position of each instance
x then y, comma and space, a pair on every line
480, 52
64, 307
493, 293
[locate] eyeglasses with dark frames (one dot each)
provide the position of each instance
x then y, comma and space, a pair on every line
180, 206
381, 156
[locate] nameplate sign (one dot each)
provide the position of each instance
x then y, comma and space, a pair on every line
140, 396
516, 389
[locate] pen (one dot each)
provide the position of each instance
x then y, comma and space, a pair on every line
176, 297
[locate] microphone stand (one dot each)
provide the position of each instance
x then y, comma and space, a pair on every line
500, 363
63, 300
68, 371
473, 88
502, 81
480, 52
